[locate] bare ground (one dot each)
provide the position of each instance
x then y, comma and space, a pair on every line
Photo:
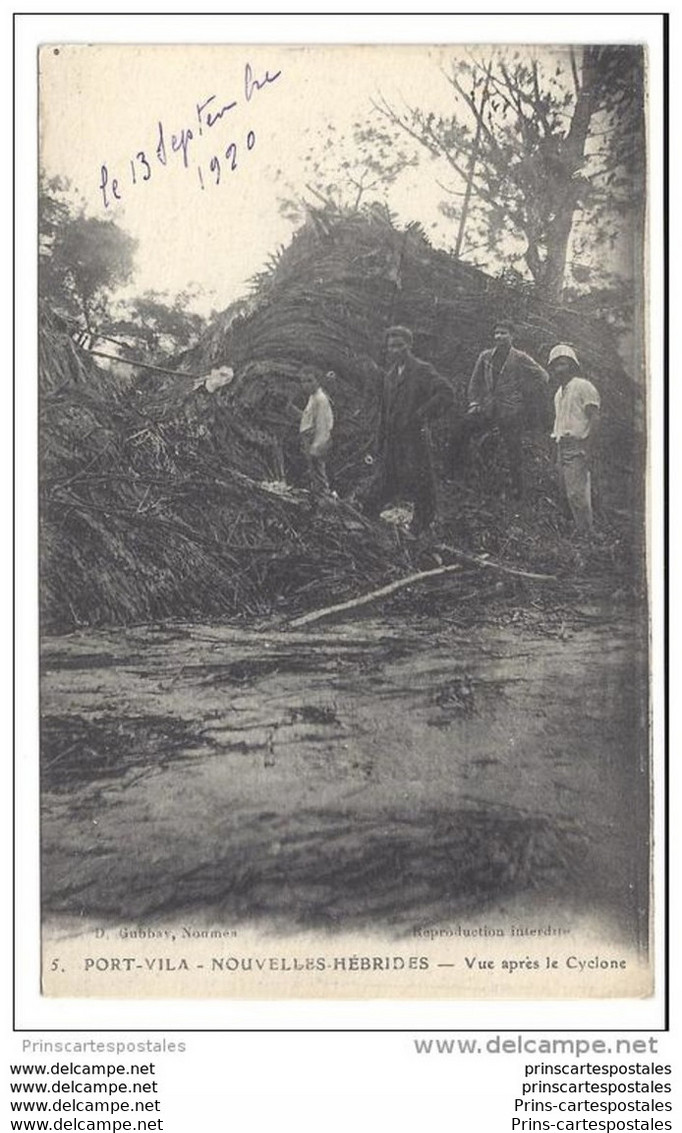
374, 774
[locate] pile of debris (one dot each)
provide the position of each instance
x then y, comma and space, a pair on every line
327, 300
146, 517
161, 500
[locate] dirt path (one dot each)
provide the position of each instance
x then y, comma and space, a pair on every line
344, 777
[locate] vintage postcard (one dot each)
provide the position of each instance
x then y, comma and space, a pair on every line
344, 559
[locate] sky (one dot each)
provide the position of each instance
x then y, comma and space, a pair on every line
191, 148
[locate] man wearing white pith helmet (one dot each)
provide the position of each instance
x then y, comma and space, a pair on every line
576, 422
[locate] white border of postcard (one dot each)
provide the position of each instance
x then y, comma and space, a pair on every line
36, 1012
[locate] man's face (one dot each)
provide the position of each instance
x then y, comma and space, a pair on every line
561, 370
309, 383
502, 336
397, 347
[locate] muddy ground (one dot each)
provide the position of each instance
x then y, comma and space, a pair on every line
385, 772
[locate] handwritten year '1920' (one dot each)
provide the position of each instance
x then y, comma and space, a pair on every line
208, 114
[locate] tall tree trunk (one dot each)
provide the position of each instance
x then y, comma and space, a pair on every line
554, 267
471, 172
572, 157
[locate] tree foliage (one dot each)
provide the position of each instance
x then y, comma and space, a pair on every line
535, 141
162, 324
82, 259
349, 172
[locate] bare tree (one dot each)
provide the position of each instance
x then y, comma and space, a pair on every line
350, 172
535, 139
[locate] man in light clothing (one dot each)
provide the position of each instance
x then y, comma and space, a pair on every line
576, 422
315, 429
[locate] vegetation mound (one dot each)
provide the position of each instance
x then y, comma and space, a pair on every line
161, 500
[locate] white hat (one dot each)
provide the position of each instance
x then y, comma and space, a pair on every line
562, 351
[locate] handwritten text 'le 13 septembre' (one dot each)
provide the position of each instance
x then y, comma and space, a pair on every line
208, 114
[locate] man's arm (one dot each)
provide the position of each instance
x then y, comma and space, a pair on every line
380, 437
555, 457
593, 414
306, 439
306, 429
533, 368
324, 422
476, 389
442, 395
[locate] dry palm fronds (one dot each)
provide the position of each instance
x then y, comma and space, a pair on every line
150, 506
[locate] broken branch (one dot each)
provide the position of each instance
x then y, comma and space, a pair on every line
373, 596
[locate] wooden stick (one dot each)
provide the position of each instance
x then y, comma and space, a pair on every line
492, 565
261, 487
383, 592
144, 365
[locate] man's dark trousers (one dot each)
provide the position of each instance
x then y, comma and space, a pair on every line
406, 472
510, 431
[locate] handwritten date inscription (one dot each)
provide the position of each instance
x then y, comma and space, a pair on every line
183, 147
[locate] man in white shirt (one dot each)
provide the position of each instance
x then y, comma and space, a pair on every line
576, 422
315, 429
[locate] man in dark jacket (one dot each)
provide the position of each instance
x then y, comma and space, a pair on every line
497, 395
411, 392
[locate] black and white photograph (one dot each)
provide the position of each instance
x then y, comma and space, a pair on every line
344, 521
